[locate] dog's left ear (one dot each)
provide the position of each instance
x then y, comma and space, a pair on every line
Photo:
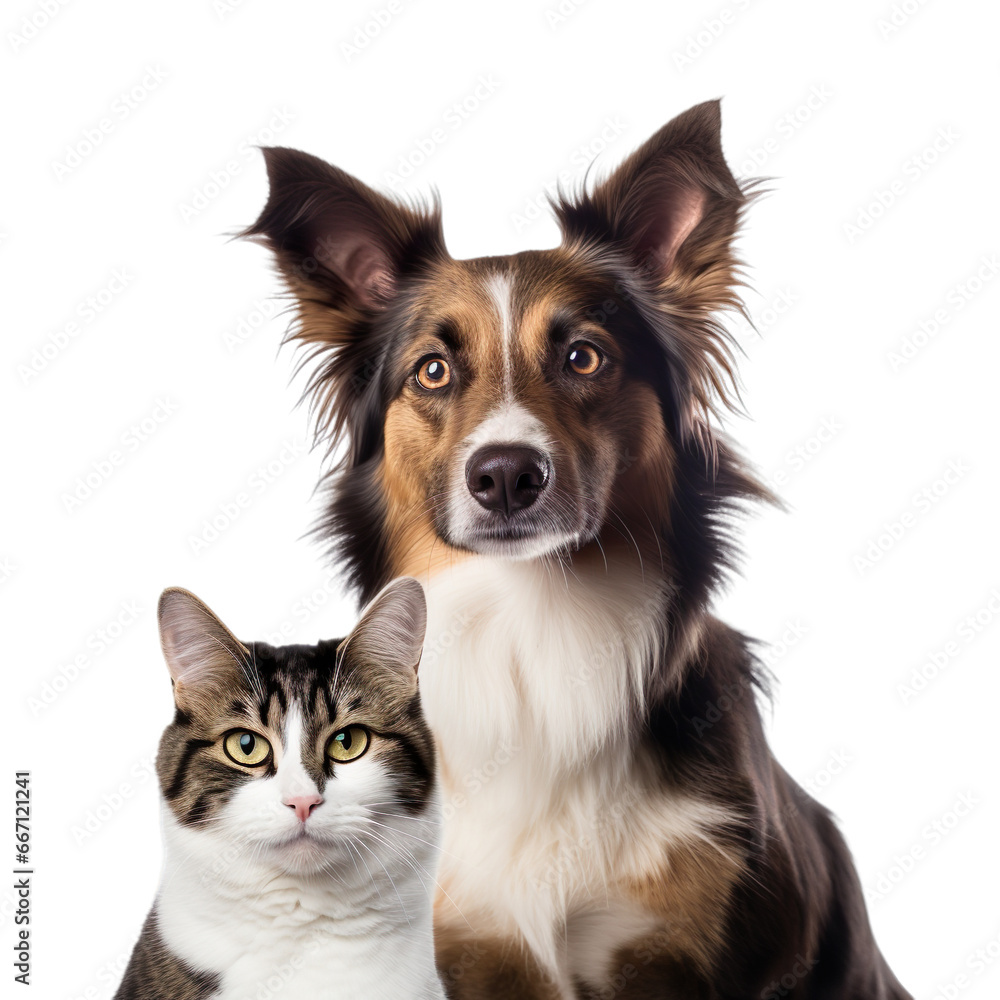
673, 207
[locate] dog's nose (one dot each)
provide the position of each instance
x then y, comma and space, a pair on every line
506, 478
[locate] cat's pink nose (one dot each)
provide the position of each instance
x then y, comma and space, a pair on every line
303, 804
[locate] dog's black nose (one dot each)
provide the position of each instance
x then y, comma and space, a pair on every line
506, 478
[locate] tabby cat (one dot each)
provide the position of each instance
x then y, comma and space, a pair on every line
301, 814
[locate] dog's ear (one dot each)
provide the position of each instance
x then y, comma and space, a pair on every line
343, 250
340, 246
673, 207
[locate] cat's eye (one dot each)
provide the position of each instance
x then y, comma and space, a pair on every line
433, 373
584, 358
246, 748
348, 744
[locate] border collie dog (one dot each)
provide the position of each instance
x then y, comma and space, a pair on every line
533, 437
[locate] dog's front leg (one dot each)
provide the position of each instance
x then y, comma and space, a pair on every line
492, 968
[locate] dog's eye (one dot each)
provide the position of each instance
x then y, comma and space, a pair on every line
584, 358
433, 373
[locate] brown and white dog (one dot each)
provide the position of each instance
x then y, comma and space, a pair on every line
530, 436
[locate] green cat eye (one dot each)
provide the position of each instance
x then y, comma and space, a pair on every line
246, 748
348, 744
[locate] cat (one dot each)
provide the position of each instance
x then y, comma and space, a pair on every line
301, 814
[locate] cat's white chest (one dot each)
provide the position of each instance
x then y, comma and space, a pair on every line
305, 961
276, 935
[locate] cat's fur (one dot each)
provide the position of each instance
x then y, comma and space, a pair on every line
298, 874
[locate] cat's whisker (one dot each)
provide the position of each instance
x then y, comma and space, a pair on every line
356, 844
406, 860
443, 892
402, 906
405, 833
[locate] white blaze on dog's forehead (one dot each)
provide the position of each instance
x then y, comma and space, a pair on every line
293, 779
513, 424
500, 289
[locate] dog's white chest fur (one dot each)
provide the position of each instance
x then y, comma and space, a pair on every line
530, 678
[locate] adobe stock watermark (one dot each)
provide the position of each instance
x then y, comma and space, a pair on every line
801, 454
537, 206
558, 14
97, 817
476, 779
259, 481
921, 503
612, 652
123, 106
8, 906
86, 313
7, 569
914, 167
834, 766
437, 645
804, 790
371, 28
793, 632
643, 955
976, 964
260, 313
454, 118
219, 179
786, 127
766, 317
105, 979
470, 955
223, 8
707, 34
572, 856
94, 645
784, 985
931, 836
129, 442
938, 660
32, 25
234, 854
303, 608
898, 16
954, 301
732, 695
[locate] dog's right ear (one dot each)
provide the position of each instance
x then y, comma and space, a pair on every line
341, 247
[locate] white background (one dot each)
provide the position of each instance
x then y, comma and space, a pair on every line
190, 321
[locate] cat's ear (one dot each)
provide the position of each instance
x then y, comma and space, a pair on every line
391, 631
204, 658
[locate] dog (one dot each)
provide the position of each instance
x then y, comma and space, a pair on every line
534, 438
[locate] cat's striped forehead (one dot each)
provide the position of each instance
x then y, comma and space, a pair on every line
323, 681
276, 677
